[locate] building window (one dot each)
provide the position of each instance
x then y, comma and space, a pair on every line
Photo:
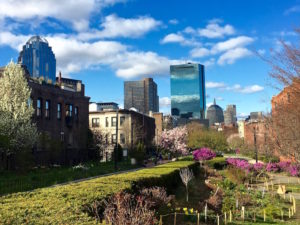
114, 121
58, 111
113, 138
95, 122
69, 110
76, 111
122, 138
106, 122
122, 120
106, 138
39, 107
47, 109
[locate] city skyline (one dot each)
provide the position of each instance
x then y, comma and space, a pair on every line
113, 41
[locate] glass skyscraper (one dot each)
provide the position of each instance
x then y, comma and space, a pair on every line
38, 58
141, 95
188, 98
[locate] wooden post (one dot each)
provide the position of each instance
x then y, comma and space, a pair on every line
292, 210
198, 219
281, 215
294, 204
289, 213
243, 213
205, 213
230, 216
264, 215
218, 220
225, 218
160, 221
175, 218
290, 198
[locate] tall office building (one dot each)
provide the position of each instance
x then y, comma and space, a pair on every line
38, 58
188, 91
141, 95
230, 115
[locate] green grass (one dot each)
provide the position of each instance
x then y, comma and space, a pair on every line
11, 182
65, 204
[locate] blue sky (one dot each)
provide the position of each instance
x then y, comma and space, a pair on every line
104, 42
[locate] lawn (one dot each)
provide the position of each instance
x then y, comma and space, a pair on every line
66, 204
11, 182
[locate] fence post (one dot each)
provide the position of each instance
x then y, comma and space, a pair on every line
264, 215
281, 215
225, 218
175, 218
289, 213
218, 220
243, 213
254, 217
294, 204
205, 213
230, 216
160, 221
198, 219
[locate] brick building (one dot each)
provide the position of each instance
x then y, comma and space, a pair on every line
61, 116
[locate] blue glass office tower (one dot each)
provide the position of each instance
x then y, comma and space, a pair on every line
188, 98
38, 58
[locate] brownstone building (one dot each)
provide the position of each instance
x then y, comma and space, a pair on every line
61, 116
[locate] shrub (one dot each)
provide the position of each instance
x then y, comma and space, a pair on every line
218, 163
203, 154
65, 204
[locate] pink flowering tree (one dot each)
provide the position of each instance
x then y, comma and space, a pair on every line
175, 141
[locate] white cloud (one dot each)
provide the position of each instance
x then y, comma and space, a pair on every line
164, 102
214, 30
189, 30
245, 90
232, 43
210, 62
14, 41
114, 26
215, 85
172, 38
209, 104
232, 55
219, 98
199, 52
76, 12
293, 9
179, 38
173, 21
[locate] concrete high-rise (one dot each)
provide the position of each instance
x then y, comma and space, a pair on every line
38, 58
188, 99
141, 95
230, 115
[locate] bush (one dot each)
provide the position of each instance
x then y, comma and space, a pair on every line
65, 204
218, 163
139, 153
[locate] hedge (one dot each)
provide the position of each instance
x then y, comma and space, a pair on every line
65, 204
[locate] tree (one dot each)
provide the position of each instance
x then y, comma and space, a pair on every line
175, 141
16, 110
284, 124
100, 141
186, 176
199, 137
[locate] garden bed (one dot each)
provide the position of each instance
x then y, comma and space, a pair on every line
65, 204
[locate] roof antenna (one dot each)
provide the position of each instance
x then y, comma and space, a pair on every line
214, 101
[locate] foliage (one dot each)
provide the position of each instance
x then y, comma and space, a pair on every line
203, 154
175, 141
212, 139
217, 163
16, 110
139, 153
65, 204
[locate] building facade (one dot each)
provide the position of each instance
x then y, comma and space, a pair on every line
103, 106
38, 58
141, 95
158, 125
214, 114
61, 117
133, 127
188, 99
230, 115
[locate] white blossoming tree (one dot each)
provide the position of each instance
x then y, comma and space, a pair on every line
16, 127
175, 141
